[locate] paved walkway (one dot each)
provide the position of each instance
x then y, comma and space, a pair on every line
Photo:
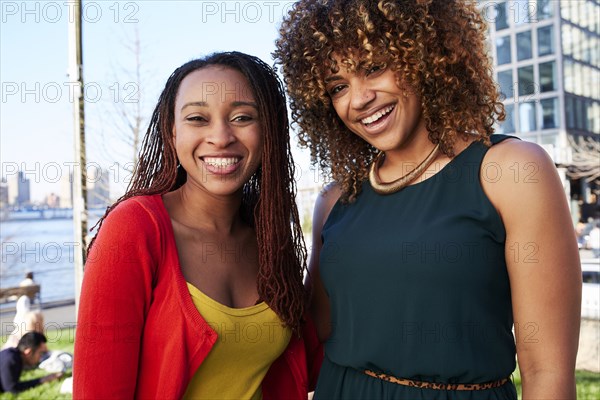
57, 315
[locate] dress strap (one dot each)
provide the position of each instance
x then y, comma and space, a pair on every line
497, 138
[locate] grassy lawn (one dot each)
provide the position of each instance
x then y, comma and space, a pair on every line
588, 383
57, 340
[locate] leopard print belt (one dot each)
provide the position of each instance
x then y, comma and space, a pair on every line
436, 386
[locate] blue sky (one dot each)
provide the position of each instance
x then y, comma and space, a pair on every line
36, 115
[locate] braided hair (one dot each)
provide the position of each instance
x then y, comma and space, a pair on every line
268, 200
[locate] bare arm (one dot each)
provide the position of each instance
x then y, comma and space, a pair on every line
319, 308
543, 267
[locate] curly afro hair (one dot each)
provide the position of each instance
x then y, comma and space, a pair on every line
437, 48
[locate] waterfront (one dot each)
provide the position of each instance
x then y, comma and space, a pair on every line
45, 247
36, 214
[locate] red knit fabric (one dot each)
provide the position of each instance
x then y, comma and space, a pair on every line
139, 334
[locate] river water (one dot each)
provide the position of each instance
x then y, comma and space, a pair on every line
45, 247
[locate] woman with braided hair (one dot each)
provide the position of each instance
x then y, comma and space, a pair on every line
193, 284
437, 238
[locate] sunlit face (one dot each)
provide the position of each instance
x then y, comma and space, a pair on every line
372, 105
217, 133
33, 357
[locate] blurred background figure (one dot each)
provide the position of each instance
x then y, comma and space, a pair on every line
28, 353
594, 239
25, 320
28, 281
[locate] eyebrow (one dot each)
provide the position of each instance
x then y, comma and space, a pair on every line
195, 103
234, 104
244, 103
332, 78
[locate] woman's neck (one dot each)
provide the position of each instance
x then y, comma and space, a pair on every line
200, 210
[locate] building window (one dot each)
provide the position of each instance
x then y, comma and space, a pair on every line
577, 38
527, 117
526, 82
503, 50
576, 11
587, 74
549, 140
596, 19
505, 80
588, 46
508, 125
583, 113
595, 50
545, 40
548, 76
570, 111
524, 45
589, 15
567, 40
580, 116
545, 9
569, 79
550, 113
578, 77
524, 12
595, 83
501, 16
595, 117
565, 10
590, 116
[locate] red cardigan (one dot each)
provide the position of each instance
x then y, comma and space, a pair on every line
139, 334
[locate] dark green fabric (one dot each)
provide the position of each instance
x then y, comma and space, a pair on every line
419, 288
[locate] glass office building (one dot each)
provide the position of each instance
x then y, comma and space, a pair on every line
547, 63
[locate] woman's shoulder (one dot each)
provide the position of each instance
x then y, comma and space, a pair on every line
523, 170
140, 203
139, 207
326, 199
510, 149
330, 192
138, 213
130, 224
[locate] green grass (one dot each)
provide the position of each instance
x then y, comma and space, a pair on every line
588, 383
57, 340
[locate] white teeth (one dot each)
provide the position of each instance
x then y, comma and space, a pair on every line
377, 115
221, 162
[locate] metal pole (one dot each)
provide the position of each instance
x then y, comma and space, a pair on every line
79, 171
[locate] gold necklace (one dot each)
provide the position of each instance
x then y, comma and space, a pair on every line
398, 184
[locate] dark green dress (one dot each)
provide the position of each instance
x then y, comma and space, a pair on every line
419, 288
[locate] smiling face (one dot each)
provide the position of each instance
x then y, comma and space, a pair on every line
372, 105
217, 132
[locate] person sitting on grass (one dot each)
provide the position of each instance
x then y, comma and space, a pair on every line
28, 352
25, 320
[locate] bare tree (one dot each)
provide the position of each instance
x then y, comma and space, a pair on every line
586, 159
127, 103
125, 114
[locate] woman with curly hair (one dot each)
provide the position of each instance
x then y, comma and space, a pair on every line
193, 284
436, 237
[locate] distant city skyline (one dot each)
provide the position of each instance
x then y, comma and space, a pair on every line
16, 190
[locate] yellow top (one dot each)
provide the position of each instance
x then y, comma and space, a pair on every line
249, 340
